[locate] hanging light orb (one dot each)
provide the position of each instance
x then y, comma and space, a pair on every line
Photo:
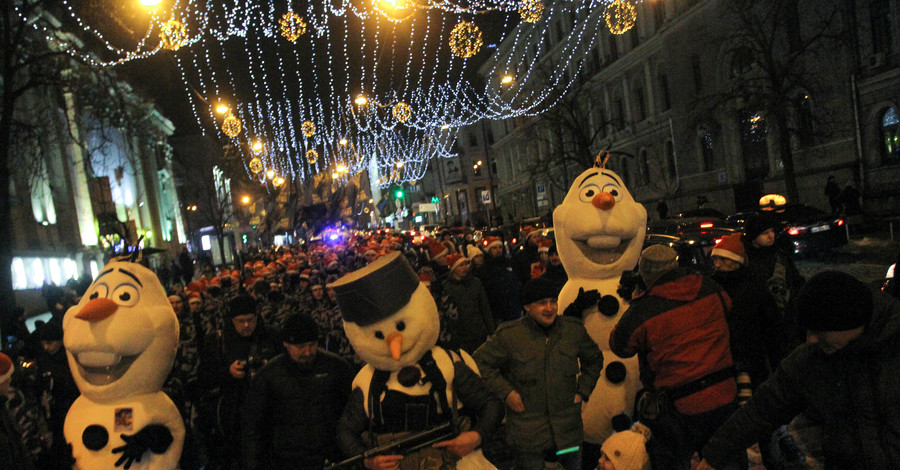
312, 156
255, 165
402, 112
531, 11
292, 26
620, 16
308, 128
232, 126
465, 39
278, 181
172, 35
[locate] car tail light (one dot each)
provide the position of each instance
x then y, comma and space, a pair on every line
412, 232
795, 230
514, 241
484, 243
423, 238
717, 241
706, 225
840, 222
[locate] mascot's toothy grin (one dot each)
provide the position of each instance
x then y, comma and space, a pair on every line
603, 249
103, 368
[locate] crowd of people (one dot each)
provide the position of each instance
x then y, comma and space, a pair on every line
264, 366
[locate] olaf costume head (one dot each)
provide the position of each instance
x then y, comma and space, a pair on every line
600, 228
389, 316
122, 336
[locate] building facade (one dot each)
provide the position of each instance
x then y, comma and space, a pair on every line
691, 104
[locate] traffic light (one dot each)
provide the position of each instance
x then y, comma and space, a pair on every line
399, 194
244, 238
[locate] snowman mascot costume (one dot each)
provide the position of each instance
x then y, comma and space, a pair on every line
408, 384
121, 340
600, 231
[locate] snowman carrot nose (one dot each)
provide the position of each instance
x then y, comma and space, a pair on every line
97, 309
604, 201
395, 344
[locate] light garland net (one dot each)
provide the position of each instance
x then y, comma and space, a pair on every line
620, 16
353, 49
292, 26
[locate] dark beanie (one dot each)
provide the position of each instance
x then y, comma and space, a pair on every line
834, 301
50, 331
758, 223
241, 305
298, 329
538, 289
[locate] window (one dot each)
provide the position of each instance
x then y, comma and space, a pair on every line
754, 144
644, 167
890, 136
620, 114
659, 14
490, 136
623, 171
742, 62
707, 149
804, 119
640, 104
671, 164
473, 139
880, 14
664, 92
41, 195
697, 72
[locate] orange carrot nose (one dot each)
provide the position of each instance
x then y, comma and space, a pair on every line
395, 344
604, 201
97, 309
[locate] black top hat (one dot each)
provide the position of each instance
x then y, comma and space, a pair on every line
376, 291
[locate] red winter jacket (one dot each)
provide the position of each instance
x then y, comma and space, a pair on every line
678, 329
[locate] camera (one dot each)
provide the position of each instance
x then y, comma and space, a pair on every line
252, 365
628, 283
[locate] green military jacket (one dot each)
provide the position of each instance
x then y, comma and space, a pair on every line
547, 368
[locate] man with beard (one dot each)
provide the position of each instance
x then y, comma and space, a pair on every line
290, 415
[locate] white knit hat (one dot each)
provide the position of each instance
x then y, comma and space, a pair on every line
473, 251
627, 450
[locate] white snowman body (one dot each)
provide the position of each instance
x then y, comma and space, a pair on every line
600, 231
121, 339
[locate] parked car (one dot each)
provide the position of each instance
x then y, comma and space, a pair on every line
699, 230
808, 230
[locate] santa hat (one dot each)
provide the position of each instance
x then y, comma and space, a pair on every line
194, 295
426, 278
305, 274
473, 251
530, 231
454, 260
730, 247
491, 241
436, 249
376, 291
544, 245
194, 286
627, 450
6, 368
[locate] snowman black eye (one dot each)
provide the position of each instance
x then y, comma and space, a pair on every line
94, 295
379, 335
401, 326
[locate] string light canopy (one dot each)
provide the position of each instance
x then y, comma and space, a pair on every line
394, 79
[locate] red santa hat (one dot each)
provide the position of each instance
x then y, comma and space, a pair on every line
305, 274
194, 295
6, 368
491, 241
730, 247
530, 231
435, 248
454, 260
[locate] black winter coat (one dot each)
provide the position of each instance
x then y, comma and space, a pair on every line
289, 418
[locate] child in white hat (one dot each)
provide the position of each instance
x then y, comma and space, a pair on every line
625, 450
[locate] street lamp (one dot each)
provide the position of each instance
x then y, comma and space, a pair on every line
222, 108
150, 3
245, 199
507, 79
361, 100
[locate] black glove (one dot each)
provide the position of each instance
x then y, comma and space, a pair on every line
154, 437
582, 302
